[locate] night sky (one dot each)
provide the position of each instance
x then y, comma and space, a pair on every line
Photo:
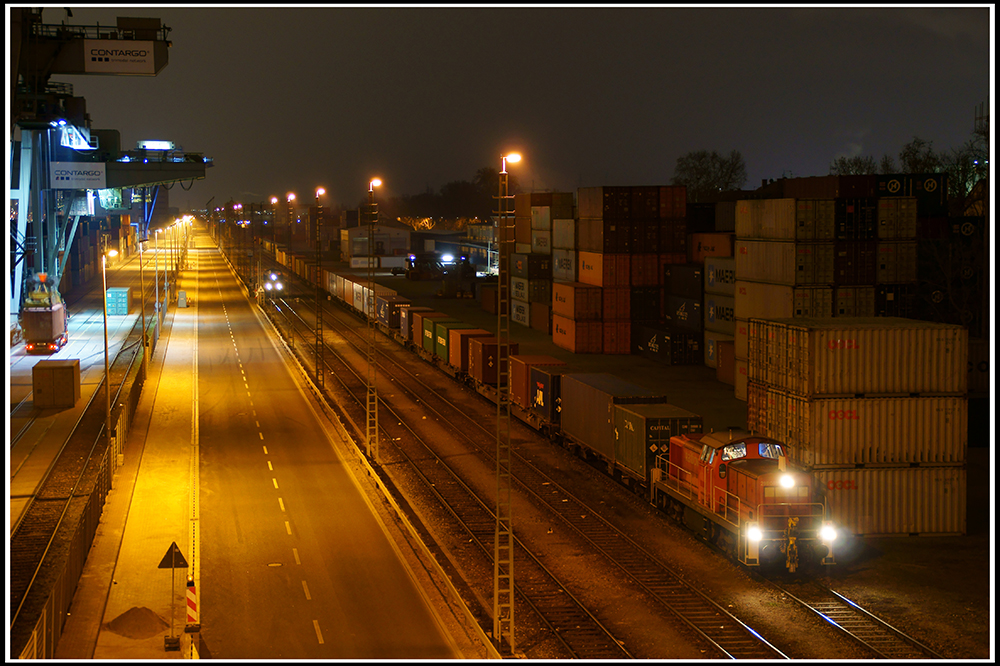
285, 99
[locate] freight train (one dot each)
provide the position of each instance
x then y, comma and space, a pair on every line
735, 489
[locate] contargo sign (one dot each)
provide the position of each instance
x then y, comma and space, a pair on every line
78, 175
113, 56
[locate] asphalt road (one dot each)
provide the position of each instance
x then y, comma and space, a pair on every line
294, 565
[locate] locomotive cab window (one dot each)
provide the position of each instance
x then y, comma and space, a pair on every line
769, 450
707, 455
734, 451
777, 493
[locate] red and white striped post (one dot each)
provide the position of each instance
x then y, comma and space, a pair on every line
192, 602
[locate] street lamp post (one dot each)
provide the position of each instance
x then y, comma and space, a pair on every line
107, 364
319, 306
503, 549
142, 313
372, 401
156, 277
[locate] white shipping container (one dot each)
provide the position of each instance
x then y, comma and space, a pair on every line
839, 432
854, 301
814, 219
719, 316
712, 340
519, 289
741, 379
541, 241
897, 501
541, 218
740, 337
785, 262
563, 234
766, 218
763, 300
564, 265
520, 312
853, 356
720, 275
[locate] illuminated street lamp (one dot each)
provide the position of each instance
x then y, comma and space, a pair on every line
503, 550
372, 402
107, 365
319, 309
142, 313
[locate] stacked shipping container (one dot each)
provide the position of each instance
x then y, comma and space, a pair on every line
877, 407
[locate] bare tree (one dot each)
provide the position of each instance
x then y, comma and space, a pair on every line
918, 156
703, 173
858, 165
887, 165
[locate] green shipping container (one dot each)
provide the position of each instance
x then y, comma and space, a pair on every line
429, 341
643, 432
441, 336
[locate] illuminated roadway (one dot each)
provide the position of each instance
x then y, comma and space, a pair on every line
293, 563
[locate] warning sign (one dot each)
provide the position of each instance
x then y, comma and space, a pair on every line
173, 559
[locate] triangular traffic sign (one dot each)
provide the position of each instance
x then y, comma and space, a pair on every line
173, 559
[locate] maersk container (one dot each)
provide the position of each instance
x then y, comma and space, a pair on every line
720, 275
777, 301
520, 312
407, 317
854, 356
785, 262
563, 234
442, 337
897, 501
576, 300
588, 401
712, 340
564, 265
720, 314
643, 432
541, 241
519, 288
520, 371
836, 432
484, 359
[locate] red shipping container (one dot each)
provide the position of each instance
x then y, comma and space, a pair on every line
520, 373
603, 270
576, 300
579, 337
644, 270
673, 235
540, 317
458, 345
615, 303
645, 202
484, 359
673, 201
617, 337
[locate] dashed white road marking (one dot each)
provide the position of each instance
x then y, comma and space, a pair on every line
281, 504
265, 450
319, 634
295, 553
269, 467
274, 481
305, 588
288, 528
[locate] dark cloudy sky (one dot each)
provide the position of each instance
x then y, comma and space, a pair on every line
287, 98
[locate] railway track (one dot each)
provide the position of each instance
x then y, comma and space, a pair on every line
705, 617
862, 626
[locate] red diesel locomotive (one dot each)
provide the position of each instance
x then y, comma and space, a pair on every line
736, 490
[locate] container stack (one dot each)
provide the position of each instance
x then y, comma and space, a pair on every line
536, 215
720, 314
876, 407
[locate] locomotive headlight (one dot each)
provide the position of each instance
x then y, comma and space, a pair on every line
754, 533
787, 481
827, 533
278, 286
268, 286
273, 276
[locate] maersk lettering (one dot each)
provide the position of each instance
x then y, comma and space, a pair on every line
121, 53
